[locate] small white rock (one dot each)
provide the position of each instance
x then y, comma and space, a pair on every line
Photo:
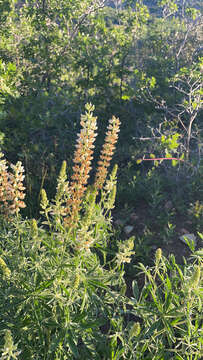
190, 237
128, 229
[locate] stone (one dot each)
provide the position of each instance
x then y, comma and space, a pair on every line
168, 205
134, 217
184, 231
128, 229
119, 222
190, 237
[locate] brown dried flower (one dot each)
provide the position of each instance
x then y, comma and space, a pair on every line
107, 152
82, 160
11, 188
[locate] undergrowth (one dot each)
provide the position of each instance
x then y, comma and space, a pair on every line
63, 293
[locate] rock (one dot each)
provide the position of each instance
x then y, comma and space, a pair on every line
168, 205
128, 229
134, 217
191, 238
119, 222
184, 231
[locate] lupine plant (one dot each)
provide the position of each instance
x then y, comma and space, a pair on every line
62, 286
166, 315
59, 284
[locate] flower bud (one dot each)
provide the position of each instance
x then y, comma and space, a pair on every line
135, 330
158, 255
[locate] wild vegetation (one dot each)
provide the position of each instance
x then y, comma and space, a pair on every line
91, 261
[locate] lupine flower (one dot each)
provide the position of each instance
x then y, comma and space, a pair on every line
158, 255
62, 185
135, 330
58, 210
9, 350
107, 152
194, 281
34, 227
84, 239
90, 201
125, 251
11, 188
81, 169
4, 268
44, 200
110, 189
76, 281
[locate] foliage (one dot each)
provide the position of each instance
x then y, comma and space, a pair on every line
57, 278
65, 272
167, 311
123, 58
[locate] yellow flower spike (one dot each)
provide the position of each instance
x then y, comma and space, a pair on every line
5, 270
112, 197
91, 197
44, 201
34, 227
114, 171
9, 349
62, 185
194, 281
130, 243
158, 255
76, 281
62, 173
135, 330
8, 339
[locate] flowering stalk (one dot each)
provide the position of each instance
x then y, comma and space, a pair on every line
109, 192
17, 183
4, 268
107, 152
11, 188
81, 169
58, 209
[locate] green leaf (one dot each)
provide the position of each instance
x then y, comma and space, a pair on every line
93, 324
72, 345
157, 325
201, 236
180, 272
57, 339
174, 162
135, 289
